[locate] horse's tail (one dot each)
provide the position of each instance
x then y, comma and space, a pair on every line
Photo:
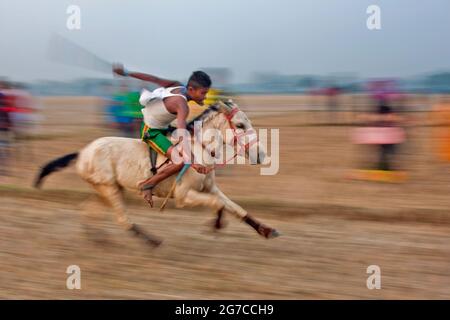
54, 165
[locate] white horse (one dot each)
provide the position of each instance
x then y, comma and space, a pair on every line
110, 164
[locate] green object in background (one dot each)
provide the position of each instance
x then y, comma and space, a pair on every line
132, 106
119, 108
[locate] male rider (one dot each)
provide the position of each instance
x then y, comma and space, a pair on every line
162, 106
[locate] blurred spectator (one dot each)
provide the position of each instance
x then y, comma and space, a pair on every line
441, 129
386, 118
332, 94
5, 129
124, 110
382, 126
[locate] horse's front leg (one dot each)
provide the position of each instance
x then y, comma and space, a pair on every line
218, 222
193, 198
237, 210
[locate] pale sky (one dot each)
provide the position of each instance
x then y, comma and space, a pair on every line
171, 38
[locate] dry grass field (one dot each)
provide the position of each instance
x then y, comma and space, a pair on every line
332, 228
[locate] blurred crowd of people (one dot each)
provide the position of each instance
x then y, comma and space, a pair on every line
380, 125
122, 109
18, 114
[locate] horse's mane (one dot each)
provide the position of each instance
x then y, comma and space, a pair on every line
204, 117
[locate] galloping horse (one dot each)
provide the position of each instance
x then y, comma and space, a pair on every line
111, 164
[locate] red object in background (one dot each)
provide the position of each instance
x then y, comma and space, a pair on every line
331, 91
18, 101
383, 90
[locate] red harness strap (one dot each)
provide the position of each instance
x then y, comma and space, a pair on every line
236, 137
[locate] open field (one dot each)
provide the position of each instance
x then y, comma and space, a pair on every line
332, 228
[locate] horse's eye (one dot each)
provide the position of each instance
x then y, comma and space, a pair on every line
240, 126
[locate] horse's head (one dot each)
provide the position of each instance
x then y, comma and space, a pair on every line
244, 135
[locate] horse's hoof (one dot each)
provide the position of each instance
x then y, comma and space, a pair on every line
147, 238
219, 224
273, 234
151, 240
154, 242
267, 232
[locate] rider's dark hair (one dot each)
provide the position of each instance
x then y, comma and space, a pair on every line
199, 79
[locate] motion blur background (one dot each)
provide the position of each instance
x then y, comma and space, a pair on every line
364, 120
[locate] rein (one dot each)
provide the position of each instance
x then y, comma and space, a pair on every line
236, 141
237, 138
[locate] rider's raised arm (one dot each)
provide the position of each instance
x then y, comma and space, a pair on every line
118, 69
161, 82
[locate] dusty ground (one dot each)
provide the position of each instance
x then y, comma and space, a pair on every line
333, 228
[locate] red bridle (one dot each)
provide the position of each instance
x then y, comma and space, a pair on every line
237, 137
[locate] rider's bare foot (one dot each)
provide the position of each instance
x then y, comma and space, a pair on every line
148, 197
147, 191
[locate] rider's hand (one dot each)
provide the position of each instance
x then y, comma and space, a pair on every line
201, 169
118, 69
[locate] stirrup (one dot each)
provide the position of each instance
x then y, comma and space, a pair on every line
147, 187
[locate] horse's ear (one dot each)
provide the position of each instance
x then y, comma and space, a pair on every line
223, 107
230, 103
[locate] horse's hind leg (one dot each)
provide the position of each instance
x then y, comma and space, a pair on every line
92, 210
113, 194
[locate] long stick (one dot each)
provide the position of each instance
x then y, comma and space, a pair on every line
63, 50
172, 189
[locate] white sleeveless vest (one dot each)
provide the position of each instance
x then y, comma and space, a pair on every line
155, 113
